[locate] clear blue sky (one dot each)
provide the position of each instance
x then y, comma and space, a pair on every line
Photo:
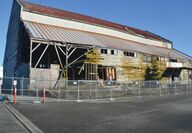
171, 19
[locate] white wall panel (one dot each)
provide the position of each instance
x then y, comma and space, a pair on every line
88, 27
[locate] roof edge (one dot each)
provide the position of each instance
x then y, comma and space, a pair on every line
183, 53
28, 6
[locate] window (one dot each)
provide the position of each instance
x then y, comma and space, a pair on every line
155, 58
112, 52
103, 51
131, 54
146, 58
162, 59
172, 60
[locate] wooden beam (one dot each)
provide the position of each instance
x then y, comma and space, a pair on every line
78, 58
62, 50
41, 55
36, 47
58, 56
71, 52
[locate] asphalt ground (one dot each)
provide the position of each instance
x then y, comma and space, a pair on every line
171, 114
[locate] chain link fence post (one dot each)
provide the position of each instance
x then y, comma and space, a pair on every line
191, 86
111, 94
59, 85
66, 91
188, 86
78, 91
175, 86
139, 85
160, 91
126, 88
150, 88
22, 85
90, 82
96, 92
168, 88
37, 99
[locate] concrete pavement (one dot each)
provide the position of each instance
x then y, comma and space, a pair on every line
8, 123
12, 121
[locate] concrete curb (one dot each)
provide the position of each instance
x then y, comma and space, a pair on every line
24, 121
135, 98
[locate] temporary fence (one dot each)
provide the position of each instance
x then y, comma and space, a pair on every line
34, 90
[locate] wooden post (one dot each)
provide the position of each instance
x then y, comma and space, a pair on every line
67, 52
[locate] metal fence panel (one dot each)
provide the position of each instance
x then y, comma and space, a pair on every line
56, 90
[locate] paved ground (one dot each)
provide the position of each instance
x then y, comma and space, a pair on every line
158, 115
8, 123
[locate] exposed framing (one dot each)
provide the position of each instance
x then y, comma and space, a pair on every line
69, 50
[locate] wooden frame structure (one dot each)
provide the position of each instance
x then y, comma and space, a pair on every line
67, 49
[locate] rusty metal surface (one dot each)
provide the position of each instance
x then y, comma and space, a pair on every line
87, 19
55, 33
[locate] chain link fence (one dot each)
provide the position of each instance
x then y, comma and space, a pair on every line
75, 90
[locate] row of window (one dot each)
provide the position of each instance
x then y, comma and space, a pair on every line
149, 58
130, 54
146, 58
114, 52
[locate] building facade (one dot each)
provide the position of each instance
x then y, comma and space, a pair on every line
50, 44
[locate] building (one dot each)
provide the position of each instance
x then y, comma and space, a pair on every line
1, 71
48, 43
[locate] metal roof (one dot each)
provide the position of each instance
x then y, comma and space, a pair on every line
60, 34
35, 8
54, 33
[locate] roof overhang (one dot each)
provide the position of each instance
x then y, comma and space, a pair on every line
49, 33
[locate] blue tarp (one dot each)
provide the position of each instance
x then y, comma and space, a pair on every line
3, 98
